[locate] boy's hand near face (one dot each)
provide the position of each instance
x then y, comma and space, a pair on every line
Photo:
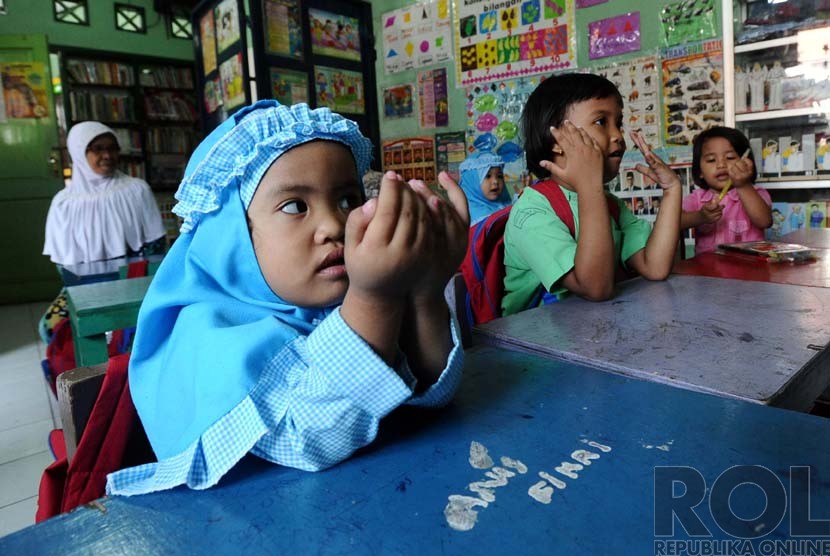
587, 162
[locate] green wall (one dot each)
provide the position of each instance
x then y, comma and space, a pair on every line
36, 17
649, 27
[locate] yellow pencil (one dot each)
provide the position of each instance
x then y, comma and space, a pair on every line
729, 182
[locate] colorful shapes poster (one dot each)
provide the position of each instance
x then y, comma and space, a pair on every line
398, 101
24, 90
412, 158
494, 111
529, 37
233, 89
334, 35
227, 24
614, 35
692, 90
289, 86
207, 33
416, 36
433, 99
450, 152
283, 28
639, 84
341, 90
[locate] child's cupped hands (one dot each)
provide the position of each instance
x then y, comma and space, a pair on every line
448, 240
654, 168
404, 241
580, 163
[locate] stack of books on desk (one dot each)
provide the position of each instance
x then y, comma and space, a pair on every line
769, 251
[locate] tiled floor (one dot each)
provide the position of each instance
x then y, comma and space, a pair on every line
28, 412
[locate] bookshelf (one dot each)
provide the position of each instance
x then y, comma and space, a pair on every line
150, 103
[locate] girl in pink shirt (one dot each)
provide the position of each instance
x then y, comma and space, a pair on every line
744, 212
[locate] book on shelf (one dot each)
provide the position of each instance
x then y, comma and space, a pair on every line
166, 77
769, 251
89, 72
169, 106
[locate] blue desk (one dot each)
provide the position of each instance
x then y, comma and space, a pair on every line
755, 341
391, 498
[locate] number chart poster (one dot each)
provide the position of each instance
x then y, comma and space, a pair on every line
639, 84
692, 90
525, 37
412, 158
416, 36
493, 114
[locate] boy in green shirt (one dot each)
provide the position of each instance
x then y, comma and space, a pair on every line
573, 134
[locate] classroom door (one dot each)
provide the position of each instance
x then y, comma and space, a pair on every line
30, 169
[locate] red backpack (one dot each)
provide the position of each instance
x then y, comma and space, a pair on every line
483, 266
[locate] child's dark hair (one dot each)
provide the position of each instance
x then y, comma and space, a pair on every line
738, 141
547, 106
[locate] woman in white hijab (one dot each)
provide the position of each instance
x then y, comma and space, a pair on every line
102, 213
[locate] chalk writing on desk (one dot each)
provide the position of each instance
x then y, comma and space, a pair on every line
544, 489
459, 511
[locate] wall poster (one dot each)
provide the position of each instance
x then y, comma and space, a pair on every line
433, 98
450, 152
692, 90
638, 81
207, 33
525, 37
233, 90
24, 90
614, 35
493, 114
289, 86
227, 24
341, 90
283, 28
416, 36
397, 101
334, 35
412, 158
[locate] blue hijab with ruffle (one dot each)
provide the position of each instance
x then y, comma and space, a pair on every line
209, 322
473, 171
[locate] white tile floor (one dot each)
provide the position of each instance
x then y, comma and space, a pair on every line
28, 411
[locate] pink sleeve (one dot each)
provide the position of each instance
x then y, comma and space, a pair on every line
691, 202
764, 194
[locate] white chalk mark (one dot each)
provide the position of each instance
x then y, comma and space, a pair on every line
558, 483
459, 511
479, 458
514, 463
568, 469
601, 447
541, 492
584, 456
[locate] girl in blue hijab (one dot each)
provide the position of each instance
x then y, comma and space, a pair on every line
291, 315
482, 179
